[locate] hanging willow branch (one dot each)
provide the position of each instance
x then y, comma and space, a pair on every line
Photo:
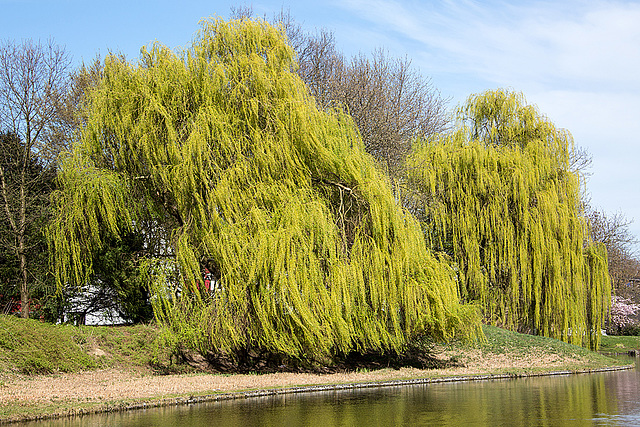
229, 141
498, 196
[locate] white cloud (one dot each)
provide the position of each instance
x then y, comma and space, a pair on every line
594, 115
577, 60
596, 42
598, 46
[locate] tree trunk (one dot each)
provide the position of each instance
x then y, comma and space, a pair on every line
19, 229
24, 289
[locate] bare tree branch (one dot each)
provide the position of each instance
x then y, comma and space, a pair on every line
613, 232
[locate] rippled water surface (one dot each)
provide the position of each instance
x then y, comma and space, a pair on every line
587, 399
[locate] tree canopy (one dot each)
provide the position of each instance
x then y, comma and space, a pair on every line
222, 148
390, 102
499, 196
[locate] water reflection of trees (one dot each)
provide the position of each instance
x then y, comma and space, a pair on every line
528, 401
624, 390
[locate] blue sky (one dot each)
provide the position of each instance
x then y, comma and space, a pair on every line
577, 60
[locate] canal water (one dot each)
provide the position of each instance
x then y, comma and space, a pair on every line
609, 399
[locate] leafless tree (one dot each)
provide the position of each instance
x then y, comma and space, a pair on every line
613, 231
81, 82
33, 86
580, 161
392, 104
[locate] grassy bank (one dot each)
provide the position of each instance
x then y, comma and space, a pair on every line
46, 369
31, 347
619, 344
543, 352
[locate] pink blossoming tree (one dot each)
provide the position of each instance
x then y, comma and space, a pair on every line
622, 312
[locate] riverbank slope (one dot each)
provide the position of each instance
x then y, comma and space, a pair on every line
48, 370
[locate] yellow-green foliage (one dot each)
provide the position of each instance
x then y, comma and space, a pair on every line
499, 197
223, 146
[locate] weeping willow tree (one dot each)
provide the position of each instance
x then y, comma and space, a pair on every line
222, 148
497, 194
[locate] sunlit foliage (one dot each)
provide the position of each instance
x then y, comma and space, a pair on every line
498, 196
222, 146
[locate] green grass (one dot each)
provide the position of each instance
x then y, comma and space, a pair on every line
503, 341
619, 344
31, 347
124, 345
506, 352
522, 346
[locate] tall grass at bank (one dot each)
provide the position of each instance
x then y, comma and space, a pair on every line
32, 347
